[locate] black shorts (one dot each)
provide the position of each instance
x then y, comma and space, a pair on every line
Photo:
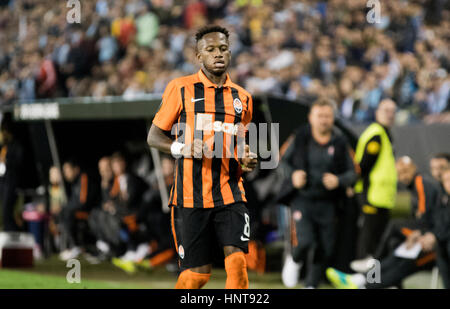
198, 232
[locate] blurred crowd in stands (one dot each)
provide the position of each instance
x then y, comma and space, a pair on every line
295, 49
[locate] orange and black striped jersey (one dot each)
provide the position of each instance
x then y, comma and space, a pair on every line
204, 111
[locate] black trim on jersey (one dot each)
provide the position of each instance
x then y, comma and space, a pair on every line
199, 107
233, 165
216, 165
180, 161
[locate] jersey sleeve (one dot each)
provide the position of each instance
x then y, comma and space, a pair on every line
246, 119
249, 112
170, 108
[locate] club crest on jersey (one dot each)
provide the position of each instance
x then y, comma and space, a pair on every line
237, 104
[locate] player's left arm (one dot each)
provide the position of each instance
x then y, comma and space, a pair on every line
249, 160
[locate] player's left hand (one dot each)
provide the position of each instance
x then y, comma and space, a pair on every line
249, 161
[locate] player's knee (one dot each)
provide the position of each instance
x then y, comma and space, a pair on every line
189, 279
229, 250
236, 268
205, 269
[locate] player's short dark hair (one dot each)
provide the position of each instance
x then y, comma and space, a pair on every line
323, 102
209, 29
441, 155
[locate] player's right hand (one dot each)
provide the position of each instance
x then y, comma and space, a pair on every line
298, 179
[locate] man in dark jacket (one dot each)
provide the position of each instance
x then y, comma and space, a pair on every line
319, 169
126, 201
102, 220
439, 163
83, 196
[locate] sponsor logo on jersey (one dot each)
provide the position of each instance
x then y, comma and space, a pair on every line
204, 123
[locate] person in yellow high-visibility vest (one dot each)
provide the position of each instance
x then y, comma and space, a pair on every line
377, 185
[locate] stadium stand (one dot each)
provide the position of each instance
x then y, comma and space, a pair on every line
291, 48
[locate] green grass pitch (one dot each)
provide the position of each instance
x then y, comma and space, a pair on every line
51, 274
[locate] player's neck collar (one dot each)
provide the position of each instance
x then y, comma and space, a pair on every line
205, 80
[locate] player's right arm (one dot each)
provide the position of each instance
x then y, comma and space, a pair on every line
158, 139
168, 114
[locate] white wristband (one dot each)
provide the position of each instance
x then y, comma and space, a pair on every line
175, 148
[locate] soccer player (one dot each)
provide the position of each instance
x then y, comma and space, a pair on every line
208, 197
